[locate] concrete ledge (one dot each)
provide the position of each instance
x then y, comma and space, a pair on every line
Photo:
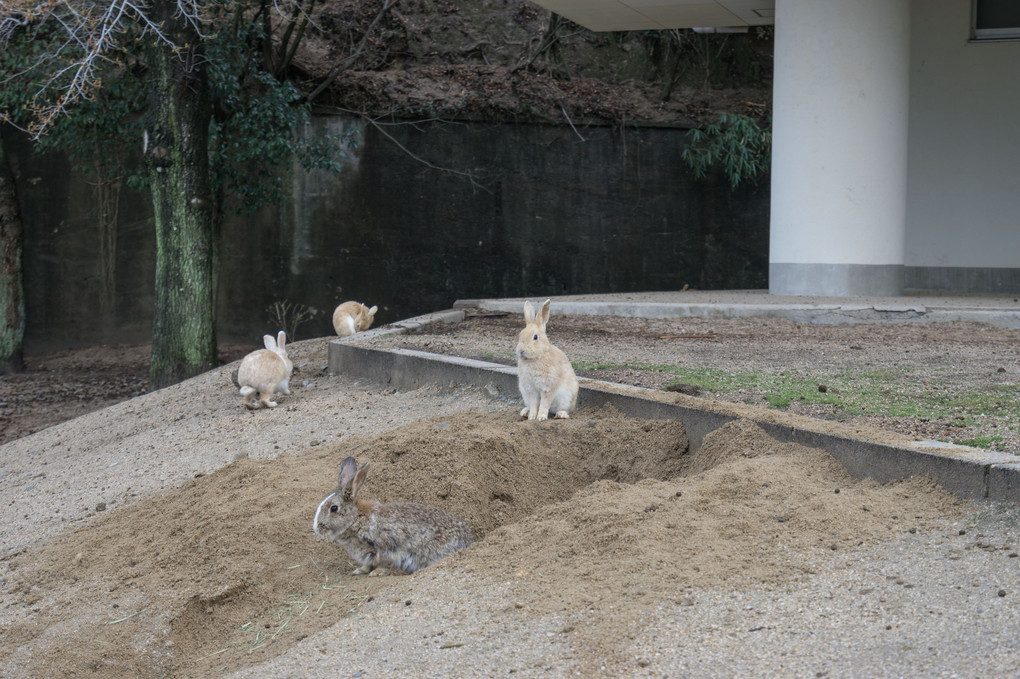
822, 313
1004, 481
970, 473
409, 325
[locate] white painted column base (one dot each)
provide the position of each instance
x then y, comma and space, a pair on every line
840, 280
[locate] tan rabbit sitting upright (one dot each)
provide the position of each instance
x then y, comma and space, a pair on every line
352, 317
546, 378
386, 538
265, 372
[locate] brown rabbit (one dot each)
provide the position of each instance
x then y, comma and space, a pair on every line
265, 372
386, 538
545, 377
353, 317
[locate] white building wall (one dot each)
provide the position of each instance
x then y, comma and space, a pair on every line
963, 186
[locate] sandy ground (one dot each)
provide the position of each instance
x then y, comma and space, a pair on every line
170, 535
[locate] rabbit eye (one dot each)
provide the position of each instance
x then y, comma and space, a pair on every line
333, 509
535, 337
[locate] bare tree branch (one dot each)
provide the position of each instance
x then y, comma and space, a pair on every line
87, 34
382, 130
567, 116
92, 32
10, 24
345, 64
306, 18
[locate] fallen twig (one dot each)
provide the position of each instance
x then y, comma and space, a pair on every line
222, 650
126, 617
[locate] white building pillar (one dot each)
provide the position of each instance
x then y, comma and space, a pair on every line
839, 147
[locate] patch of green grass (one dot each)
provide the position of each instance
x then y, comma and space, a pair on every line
499, 357
988, 442
706, 378
907, 398
599, 365
895, 392
779, 389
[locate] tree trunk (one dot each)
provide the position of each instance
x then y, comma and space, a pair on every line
107, 196
12, 298
177, 158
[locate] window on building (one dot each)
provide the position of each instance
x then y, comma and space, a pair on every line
996, 20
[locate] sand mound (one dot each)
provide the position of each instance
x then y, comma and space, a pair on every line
225, 571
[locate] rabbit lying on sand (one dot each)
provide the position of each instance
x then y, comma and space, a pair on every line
386, 538
265, 372
545, 377
352, 317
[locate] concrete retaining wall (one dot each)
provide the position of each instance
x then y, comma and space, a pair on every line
969, 473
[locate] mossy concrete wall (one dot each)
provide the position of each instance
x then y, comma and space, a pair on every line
422, 215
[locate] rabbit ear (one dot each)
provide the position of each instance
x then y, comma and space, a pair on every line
281, 339
359, 479
348, 470
269, 342
529, 312
544, 314
351, 476
371, 312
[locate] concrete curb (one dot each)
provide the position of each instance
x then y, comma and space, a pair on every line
802, 313
970, 473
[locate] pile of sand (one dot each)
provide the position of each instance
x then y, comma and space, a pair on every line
225, 571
